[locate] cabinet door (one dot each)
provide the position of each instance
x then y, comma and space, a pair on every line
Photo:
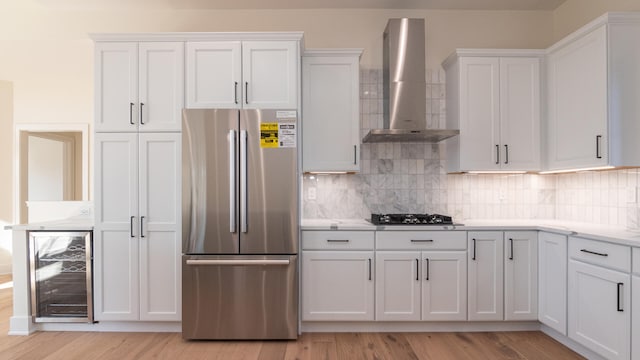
577, 80
485, 275
116, 229
161, 86
520, 113
214, 75
552, 281
337, 285
116, 87
444, 285
270, 74
635, 320
330, 103
599, 309
479, 113
397, 285
521, 275
159, 228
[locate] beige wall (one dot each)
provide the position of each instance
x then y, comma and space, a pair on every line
574, 13
6, 172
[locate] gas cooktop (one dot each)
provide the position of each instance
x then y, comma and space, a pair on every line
411, 219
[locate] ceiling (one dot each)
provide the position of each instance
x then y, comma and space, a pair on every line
544, 5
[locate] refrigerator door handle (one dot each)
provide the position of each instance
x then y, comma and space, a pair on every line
232, 181
238, 262
243, 181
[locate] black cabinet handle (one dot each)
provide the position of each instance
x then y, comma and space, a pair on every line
338, 240
235, 92
497, 154
619, 291
369, 269
417, 269
511, 246
141, 122
355, 154
246, 92
598, 137
141, 229
473, 256
593, 252
131, 226
427, 260
506, 154
421, 240
131, 113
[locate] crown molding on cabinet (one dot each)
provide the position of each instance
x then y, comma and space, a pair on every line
198, 36
334, 52
492, 53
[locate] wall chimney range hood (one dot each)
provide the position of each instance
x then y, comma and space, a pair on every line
404, 86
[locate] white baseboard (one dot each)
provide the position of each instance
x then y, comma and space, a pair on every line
566, 341
20, 325
420, 326
113, 326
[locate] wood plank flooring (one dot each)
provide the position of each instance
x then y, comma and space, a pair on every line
310, 346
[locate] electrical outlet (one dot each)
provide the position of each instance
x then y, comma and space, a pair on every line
312, 193
84, 211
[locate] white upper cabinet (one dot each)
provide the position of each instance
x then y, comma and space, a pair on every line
593, 82
242, 74
493, 97
139, 86
331, 110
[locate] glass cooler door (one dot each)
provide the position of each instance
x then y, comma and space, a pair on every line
61, 284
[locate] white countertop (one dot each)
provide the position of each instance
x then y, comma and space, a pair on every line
587, 230
71, 224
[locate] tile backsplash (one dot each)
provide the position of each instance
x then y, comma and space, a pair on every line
411, 177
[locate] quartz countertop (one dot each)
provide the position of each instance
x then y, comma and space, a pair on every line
596, 232
71, 224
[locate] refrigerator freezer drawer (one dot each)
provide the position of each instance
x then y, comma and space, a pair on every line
239, 297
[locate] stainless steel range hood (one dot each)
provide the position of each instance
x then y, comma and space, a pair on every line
404, 86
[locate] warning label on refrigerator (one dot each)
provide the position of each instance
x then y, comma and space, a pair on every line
278, 135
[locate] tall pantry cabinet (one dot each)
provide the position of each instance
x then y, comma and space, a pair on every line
139, 100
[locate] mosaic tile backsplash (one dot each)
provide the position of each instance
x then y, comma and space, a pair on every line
411, 177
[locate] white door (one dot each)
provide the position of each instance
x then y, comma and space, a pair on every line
444, 285
270, 74
116, 228
577, 78
485, 275
521, 275
397, 285
552, 281
337, 285
480, 113
159, 226
520, 113
116, 87
330, 103
214, 75
161, 86
600, 309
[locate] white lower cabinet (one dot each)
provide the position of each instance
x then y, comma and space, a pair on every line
485, 275
552, 281
444, 285
398, 285
337, 285
521, 275
635, 305
599, 309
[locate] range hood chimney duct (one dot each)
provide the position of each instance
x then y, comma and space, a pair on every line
404, 86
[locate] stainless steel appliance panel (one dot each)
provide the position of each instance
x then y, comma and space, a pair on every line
61, 276
239, 297
269, 203
209, 177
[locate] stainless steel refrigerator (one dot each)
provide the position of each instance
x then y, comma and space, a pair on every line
240, 224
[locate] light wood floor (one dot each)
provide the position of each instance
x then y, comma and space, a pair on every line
392, 346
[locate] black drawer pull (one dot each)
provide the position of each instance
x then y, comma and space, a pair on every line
424, 240
338, 240
593, 252
619, 291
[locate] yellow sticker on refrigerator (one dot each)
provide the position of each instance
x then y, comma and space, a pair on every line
278, 135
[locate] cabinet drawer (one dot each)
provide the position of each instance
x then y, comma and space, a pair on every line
334, 240
613, 256
636, 260
421, 240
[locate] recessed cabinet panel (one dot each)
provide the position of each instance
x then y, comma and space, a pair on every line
398, 285
485, 271
214, 75
270, 71
444, 285
552, 283
521, 275
160, 275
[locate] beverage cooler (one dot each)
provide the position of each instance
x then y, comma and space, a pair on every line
61, 278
